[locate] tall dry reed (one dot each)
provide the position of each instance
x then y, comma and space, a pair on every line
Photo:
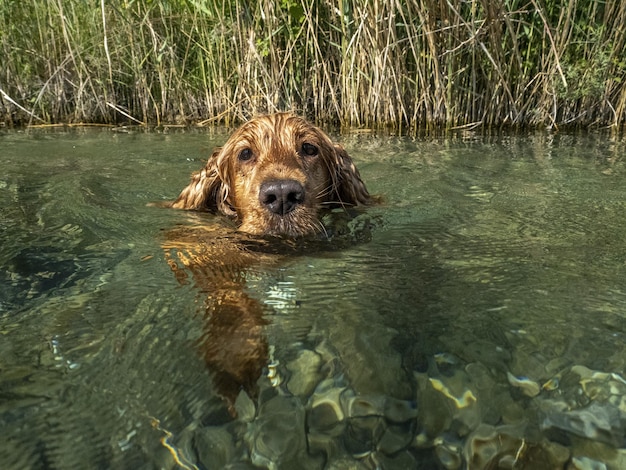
406, 65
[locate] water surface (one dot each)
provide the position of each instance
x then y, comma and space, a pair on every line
476, 319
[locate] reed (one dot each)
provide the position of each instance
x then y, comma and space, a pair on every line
404, 65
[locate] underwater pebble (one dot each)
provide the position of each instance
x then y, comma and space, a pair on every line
215, 447
347, 463
362, 434
366, 406
529, 387
595, 421
395, 439
304, 373
506, 447
480, 376
585, 463
436, 419
449, 456
324, 417
245, 407
551, 385
400, 461
326, 405
460, 398
326, 445
512, 411
400, 411
422, 440
368, 361
276, 437
179, 450
460, 402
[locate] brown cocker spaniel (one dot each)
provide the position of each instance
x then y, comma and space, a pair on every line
275, 176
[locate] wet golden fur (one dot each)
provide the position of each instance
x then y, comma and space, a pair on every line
277, 147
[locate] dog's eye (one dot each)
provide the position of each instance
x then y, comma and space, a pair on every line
245, 155
309, 149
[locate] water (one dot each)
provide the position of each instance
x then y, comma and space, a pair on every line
477, 321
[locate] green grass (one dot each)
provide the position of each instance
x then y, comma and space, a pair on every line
402, 65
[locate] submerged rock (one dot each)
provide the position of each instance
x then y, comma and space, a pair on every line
586, 403
450, 403
576, 419
585, 463
304, 373
596, 421
506, 447
528, 387
276, 438
449, 454
464, 416
215, 447
341, 422
244, 407
325, 406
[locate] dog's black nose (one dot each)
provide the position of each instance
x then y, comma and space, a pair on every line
281, 196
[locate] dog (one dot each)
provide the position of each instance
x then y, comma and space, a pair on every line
274, 179
275, 175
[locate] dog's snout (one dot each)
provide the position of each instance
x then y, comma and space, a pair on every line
281, 196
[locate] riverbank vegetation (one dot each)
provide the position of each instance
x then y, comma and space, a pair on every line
405, 65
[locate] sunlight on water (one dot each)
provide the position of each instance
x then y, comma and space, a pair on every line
475, 319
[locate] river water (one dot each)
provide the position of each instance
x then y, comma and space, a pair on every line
475, 319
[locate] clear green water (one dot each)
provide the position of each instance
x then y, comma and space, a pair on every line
481, 325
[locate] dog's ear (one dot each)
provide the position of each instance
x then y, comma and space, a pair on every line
348, 188
208, 189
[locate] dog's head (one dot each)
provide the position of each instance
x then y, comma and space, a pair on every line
275, 175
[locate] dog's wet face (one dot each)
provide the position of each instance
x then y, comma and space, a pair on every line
275, 175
